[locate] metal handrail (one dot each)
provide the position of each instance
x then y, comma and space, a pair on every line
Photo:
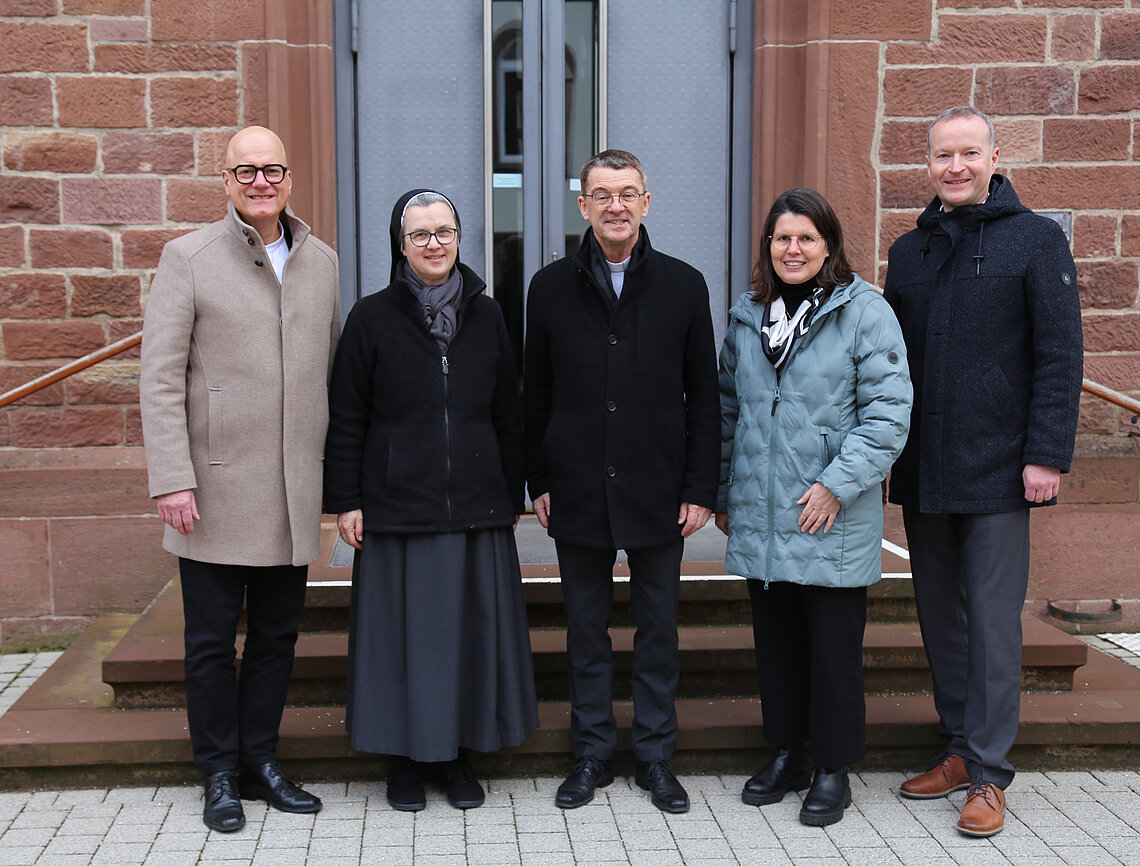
66, 370
1121, 400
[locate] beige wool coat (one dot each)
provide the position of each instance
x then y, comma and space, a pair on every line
234, 390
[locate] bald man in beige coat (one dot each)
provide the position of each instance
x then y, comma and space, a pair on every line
240, 329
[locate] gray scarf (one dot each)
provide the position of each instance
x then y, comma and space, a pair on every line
438, 304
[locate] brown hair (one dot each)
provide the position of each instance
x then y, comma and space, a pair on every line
809, 203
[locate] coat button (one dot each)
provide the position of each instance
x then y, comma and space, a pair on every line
610, 471
611, 405
259, 263
250, 242
613, 339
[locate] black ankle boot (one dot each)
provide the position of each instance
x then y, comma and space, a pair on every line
829, 795
787, 771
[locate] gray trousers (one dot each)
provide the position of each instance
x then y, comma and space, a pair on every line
971, 572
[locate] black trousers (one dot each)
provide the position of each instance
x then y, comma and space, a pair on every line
971, 572
809, 651
234, 718
588, 593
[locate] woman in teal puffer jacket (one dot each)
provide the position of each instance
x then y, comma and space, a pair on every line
815, 406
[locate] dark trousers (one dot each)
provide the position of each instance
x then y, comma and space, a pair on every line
588, 593
970, 575
234, 718
809, 651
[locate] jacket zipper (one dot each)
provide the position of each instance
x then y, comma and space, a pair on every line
447, 438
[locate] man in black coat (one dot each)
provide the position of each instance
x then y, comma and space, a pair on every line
622, 441
986, 293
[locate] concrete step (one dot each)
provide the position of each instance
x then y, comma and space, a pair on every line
65, 730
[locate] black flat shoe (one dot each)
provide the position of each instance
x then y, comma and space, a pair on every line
405, 789
789, 770
223, 811
578, 789
268, 782
462, 788
829, 795
665, 791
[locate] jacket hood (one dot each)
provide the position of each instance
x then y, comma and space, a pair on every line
748, 312
397, 217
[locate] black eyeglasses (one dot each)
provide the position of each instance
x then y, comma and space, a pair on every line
422, 238
245, 174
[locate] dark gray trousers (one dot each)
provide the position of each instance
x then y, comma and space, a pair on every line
971, 572
588, 594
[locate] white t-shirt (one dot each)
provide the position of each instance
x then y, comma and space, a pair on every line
278, 252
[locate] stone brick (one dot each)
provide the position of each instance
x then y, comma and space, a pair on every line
1018, 90
33, 296
12, 246
25, 579
102, 101
1120, 372
206, 21
1107, 286
58, 152
134, 433
1019, 140
29, 199
1062, 4
71, 248
255, 75
1074, 37
212, 146
34, 341
976, 4
5, 436
924, 92
1120, 36
1094, 235
194, 101
903, 142
80, 482
118, 29
195, 201
972, 39
17, 375
1110, 89
115, 382
118, 295
28, 9
1098, 417
117, 329
1081, 139
26, 100
32, 46
1130, 235
905, 188
155, 152
1112, 333
107, 201
893, 225
104, 7
167, 57
1072, 187
39, 633
887, 19
90, 573
143, 247
67, 428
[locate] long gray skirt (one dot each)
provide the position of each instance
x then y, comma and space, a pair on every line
438, 647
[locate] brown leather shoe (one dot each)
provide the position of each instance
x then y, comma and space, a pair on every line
984, 812
947, 775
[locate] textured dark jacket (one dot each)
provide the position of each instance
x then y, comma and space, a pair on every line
987, 298
622, 405
423, 442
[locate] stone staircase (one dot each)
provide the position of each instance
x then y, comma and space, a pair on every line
111, 709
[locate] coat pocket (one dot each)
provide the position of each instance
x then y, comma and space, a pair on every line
215, 434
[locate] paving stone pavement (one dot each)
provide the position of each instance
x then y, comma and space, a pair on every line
1052, 819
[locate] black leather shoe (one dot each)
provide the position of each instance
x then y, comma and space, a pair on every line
788, 771
829, 795
223, 810
463, 789
665, 791
578, 789
405, 789
267, 782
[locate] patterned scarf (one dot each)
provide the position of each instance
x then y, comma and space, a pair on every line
780, 331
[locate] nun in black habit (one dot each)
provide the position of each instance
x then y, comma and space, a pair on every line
423, 466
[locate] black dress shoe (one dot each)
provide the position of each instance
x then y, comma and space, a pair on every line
665, 791
267, 782
788, 771
578, 789
829, 795
463, 789
223, 810
405, 789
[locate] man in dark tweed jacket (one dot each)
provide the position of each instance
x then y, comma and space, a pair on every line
986, 293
